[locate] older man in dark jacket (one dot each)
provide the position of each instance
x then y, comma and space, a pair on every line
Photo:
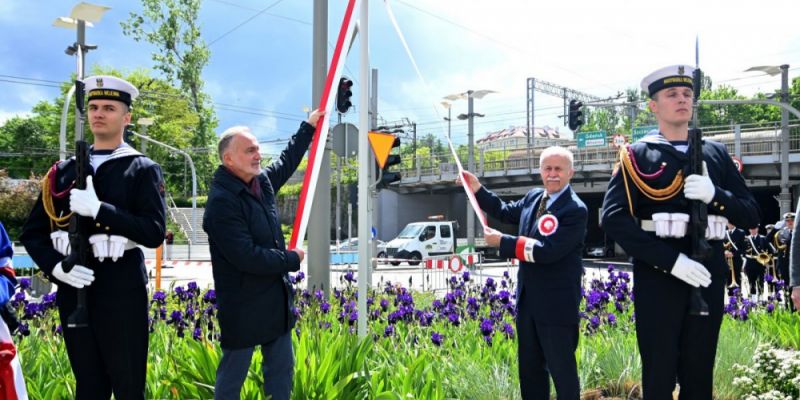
250, 261
549, 242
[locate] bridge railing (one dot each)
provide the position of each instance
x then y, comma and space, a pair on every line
756, 140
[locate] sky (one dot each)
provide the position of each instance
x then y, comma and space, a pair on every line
259, 73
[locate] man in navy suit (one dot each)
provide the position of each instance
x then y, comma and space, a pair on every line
549, 244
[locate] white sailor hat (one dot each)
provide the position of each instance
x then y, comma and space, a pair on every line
674, 75
110, 88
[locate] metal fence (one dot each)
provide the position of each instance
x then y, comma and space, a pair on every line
755, 140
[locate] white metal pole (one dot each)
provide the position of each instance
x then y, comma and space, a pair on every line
363, 172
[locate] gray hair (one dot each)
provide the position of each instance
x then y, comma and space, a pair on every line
557, 151
227, 137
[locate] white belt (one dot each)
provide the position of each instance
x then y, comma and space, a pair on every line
674, 225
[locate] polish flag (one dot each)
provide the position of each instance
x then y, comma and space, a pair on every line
12, 384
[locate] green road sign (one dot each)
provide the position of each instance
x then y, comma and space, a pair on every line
640, 131
592, 139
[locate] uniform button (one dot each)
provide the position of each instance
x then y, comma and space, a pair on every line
97, 224
108, 228
716, 203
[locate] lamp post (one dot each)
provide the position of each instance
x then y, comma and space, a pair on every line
785, 202
144, 123
82, 15
470, 116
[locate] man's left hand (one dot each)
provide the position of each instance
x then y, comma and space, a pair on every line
492, 237
796, 297
85, 202
699, 187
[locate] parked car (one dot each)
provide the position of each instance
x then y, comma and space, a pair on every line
352, 245
597, 250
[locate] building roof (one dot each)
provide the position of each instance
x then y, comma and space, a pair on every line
519, 132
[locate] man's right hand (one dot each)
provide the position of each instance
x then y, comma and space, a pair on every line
300, 253
314, 117
472, 181
78, 277
691, 271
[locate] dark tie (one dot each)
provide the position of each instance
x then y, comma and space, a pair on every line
542, 206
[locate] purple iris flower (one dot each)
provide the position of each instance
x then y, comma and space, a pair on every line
389, 331
454, 319
487, 327
508, 330
160, 297
24, 283
210, 296
437, 338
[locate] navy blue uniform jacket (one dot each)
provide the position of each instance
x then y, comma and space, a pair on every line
732, 200
554, 278
249, 259
131, 189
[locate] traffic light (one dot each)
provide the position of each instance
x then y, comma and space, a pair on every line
343, 95
128, 135
388, 177
575, 114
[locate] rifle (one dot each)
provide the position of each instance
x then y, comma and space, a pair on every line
78, 225
698, 213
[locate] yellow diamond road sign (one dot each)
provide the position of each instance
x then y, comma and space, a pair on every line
381, 145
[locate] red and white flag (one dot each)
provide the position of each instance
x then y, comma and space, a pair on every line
321, 135
12, 384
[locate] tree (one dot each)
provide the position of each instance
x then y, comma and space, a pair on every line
27, 147
181, 54
31, 144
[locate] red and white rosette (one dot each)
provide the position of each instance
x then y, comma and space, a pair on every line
548, 224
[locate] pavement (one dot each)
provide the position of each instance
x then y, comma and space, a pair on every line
192, 264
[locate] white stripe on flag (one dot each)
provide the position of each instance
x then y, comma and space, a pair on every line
321, 134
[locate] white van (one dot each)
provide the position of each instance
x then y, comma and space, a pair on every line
419, 240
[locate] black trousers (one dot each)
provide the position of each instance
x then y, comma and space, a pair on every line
676, 347
783, 273
110, 355
545, 350
755, 275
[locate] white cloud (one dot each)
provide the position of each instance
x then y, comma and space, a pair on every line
597, 47
7, 115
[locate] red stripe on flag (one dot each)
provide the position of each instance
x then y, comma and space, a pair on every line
301, 204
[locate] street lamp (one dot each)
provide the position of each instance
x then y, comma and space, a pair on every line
772, 70
144, 123
470, 117
82, 14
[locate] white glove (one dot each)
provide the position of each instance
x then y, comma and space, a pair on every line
100, 246
85, 202
691, 271
61, 242
699, 187
116, 246
78, 277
